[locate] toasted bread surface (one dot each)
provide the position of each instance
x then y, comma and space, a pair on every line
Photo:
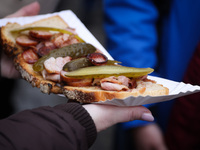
96, 94
8, 39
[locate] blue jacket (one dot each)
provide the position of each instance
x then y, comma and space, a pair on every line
132, 38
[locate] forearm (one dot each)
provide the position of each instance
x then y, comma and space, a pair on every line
67, 126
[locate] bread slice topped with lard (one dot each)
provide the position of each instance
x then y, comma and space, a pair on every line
52, 57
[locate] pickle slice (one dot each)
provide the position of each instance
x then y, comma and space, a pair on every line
74, 50
18, 30
76, 64
107, 70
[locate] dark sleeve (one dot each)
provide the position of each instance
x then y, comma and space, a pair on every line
66, 126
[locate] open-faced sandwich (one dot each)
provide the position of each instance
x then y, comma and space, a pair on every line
51, 56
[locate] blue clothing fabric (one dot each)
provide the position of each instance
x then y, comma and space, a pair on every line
132, 38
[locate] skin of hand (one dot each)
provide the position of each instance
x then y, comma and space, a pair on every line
149, 137
105, 116
7, 67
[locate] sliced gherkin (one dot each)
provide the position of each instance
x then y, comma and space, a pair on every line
18, 30
83, 62
76, 64
74, 50
107, 70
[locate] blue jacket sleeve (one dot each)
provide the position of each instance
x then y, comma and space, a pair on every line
131, 35
131, 31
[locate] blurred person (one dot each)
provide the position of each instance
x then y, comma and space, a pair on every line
183, 130
157, 34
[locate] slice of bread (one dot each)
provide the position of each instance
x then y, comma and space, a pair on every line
10, 47
96, 94
8, 39
81, 94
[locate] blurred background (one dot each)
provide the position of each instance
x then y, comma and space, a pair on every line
17, 95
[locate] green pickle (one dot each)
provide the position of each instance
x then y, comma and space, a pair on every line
108, 70
76, 64
46, 29
83, 62
74, 50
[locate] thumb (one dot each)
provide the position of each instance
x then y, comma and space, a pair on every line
28, 10
126, 114
105, 116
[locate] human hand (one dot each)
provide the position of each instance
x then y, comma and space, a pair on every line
105, 116
28, 10
149, 137
7, 67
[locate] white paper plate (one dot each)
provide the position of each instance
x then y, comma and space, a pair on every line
176, 89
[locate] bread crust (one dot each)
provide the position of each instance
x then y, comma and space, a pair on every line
35, 78
96, 94
8, 42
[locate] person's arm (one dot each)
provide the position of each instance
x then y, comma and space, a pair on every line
66, 126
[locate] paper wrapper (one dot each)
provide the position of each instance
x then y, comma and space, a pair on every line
176, 89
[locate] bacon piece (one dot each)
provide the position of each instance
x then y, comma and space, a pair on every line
24, 40
50, 44
74, 81
113, 87
62, 40
111, 79
41, 35
59, 39
53, 65
118, 80
124, 80
30, 56
53, 77
113, 83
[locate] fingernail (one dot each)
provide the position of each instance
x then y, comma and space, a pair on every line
147, 117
